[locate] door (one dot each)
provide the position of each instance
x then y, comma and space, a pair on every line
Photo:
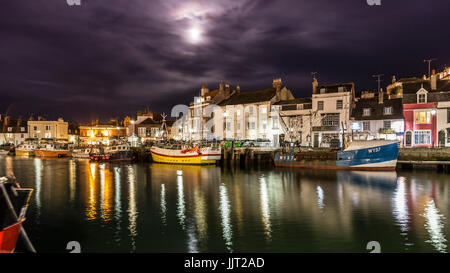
316, 140
441, 138
408, 139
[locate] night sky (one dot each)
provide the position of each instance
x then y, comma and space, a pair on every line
110, 58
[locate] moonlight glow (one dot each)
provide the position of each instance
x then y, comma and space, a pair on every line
194, 35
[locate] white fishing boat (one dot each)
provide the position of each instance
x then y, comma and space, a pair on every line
194, 155
84, 152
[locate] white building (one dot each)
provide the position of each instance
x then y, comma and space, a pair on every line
296, 116
377, 117
331, 108
13, 131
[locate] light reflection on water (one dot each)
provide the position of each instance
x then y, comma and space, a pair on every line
127, 208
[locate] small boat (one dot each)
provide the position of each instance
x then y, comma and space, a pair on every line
373, 155
194, 155
4, 152
84, 152
53, 150
26, 149
121, 152
13, 205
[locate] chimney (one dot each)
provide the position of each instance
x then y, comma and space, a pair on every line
380, 96
314, 85
277, 85
433, 80
6, 121
394, 79
204, 90
40, 118
227, 90
238, 89
19, 121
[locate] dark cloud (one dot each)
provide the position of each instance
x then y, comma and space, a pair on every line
110, 58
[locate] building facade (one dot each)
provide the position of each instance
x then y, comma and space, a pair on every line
377, 117
48, 129
13, 131
296, 117
331, 109
101, 133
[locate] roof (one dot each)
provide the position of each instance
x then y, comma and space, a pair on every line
413, 86
377, 109
15, 124
250, 97
294, 101
431, 97
334, 88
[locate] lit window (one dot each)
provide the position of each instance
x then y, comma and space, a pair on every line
422, 137
366, 112
387, 110
422, 117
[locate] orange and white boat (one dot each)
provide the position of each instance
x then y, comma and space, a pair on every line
53, 150
26, 149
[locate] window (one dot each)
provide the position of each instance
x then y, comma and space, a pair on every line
422, 137
340, 89
47, 127
366, 112
9, 129
238, 126
22, 129
422, 117
264, 110
322, 90
339, 104
142, 131
320, 105
288, 107
35, 128
330, 120
387, 124
387, 110
228, 126
366, 126
421, 98
448, 115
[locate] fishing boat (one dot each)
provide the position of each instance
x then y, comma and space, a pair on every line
4, 152
26, 149
120, 152
193, 155
53, 150
373, 155
84, 152
13, 206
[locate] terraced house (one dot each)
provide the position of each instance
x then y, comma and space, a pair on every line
13, 131
377, 116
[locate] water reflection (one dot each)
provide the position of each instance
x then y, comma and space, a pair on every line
163, 204
234, 210
265, 211
132, 209
225, 217
180, 201
435, 226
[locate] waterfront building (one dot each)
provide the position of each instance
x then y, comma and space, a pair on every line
331, 108
377, 117
13, 131
200, 111
148, 127
296, 117
425, 110
42, 129
74, 133
252, 114
101, 133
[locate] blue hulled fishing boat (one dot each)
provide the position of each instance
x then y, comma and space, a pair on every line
374, 155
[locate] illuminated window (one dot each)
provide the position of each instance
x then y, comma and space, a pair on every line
422, 137
422, 117
387, 110
366, 112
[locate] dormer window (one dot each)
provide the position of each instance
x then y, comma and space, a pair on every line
322, 90
387, 110
340, 89
366, 112
422, 95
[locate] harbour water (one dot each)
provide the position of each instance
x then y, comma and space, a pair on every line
144, 207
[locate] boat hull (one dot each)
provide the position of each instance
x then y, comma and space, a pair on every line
24, 153
113, 157
55, 153
206, 156
376, 158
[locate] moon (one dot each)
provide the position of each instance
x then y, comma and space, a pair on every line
194, 35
